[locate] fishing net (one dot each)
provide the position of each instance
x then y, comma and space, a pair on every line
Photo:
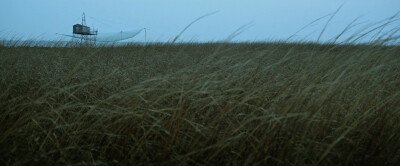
118, 36
108, 37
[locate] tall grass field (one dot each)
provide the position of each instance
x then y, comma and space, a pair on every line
276, 103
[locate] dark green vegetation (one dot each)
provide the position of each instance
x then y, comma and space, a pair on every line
196, 104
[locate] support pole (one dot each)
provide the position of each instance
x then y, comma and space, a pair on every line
145, 35
83, 19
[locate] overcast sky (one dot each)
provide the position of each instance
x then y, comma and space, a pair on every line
265, 19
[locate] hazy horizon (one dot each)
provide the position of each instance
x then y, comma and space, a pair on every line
263, 21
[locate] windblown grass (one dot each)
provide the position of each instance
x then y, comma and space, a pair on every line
216, 103
203, 104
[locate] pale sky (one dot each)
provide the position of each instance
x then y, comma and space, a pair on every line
266, 19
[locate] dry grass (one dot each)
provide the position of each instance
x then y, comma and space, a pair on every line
200, 104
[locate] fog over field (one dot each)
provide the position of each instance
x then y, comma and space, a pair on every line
263, 20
